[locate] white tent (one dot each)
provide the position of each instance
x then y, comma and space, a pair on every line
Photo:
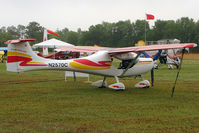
52, 43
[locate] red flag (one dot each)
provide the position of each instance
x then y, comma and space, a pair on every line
51, 32
150, 17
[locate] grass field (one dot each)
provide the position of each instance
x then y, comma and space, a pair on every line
40, 101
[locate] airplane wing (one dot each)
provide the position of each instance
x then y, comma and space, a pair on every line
151, 48
127, 49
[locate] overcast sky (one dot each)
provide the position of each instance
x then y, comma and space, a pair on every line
74, 14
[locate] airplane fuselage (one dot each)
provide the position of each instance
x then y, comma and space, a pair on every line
99, 63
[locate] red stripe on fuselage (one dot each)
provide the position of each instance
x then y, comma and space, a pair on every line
91, 63
24, 61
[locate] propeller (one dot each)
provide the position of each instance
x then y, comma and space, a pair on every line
173, 89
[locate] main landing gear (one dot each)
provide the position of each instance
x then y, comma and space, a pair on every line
100, 83
115, 86
120, 86
143, 83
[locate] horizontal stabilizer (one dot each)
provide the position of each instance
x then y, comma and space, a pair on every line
18, 41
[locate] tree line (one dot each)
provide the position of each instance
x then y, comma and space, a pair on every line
118, 34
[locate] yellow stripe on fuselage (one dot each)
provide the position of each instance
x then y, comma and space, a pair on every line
36, 63
86, 67
18, 54
143, 63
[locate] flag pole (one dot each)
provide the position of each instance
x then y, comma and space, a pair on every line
148, 17
145, 33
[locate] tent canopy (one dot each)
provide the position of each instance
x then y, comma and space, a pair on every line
3, 49
52, 43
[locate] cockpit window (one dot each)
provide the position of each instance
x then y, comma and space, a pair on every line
124, 64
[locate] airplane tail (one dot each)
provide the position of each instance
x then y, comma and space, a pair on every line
20, 57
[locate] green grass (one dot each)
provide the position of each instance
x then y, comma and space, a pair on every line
40, 101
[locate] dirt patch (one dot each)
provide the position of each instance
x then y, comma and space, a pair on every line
191, 56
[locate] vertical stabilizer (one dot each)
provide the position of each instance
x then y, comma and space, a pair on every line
20, 56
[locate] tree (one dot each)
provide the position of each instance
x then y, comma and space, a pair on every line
95, 35
12, 30
34, 30
63, 34
72, 37
117, 34
21, 29
159, 30
139, 30
185, 29
122, 34
4, 36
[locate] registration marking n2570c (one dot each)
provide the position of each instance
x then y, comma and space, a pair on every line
58, 64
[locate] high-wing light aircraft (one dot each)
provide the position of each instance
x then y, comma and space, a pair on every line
20, 58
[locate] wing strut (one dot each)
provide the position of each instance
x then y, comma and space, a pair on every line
152, 76
132, 63
173, 89
156, 56
74, 76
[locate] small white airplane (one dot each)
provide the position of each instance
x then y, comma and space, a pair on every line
20, 57
169, 58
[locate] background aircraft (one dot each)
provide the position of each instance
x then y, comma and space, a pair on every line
3, 52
